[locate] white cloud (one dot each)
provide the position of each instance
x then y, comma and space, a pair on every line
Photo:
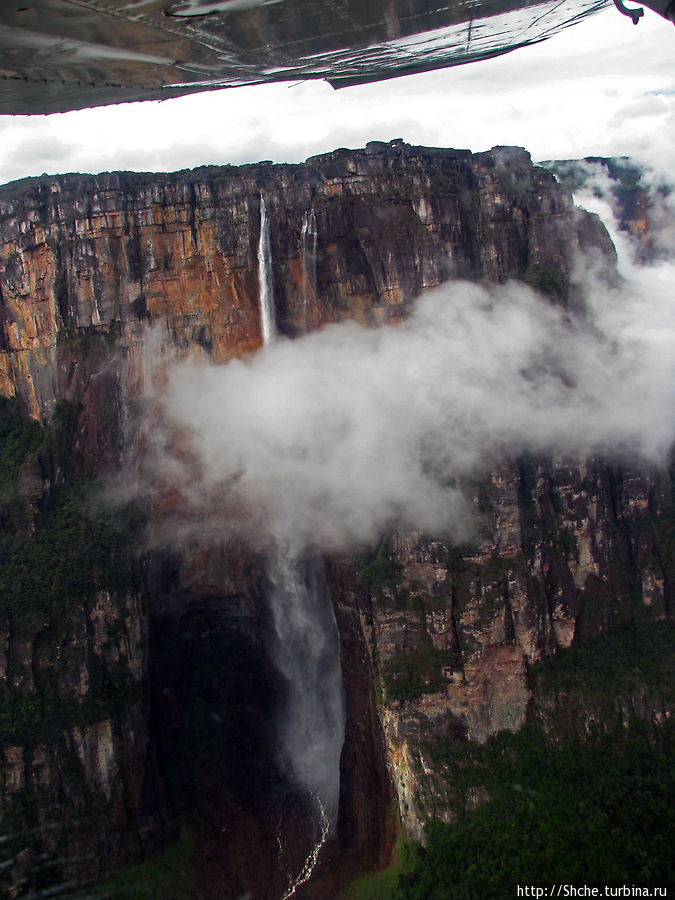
331, 439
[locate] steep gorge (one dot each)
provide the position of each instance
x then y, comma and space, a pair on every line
437, 640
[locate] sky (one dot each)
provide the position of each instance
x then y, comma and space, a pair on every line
603, 87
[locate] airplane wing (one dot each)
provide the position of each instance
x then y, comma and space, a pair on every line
57, 55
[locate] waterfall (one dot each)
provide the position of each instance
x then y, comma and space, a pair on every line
305, 648
304, 644
308, 239
267, 318
313, 855
96, 315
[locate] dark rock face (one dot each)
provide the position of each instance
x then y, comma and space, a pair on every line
567, 548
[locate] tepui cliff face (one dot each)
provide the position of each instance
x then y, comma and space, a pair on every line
154, 673
122, 249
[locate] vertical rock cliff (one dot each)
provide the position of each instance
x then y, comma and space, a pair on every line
105, 254
161, 717
567, 551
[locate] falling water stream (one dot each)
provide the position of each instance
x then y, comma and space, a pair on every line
305, 649
308, 238
267, 317
304, 644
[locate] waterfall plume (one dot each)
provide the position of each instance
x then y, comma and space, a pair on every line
308, 237
267, 314
305, 648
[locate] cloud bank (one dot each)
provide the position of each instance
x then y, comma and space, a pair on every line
331, 439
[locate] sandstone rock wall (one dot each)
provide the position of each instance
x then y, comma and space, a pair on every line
107, 253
